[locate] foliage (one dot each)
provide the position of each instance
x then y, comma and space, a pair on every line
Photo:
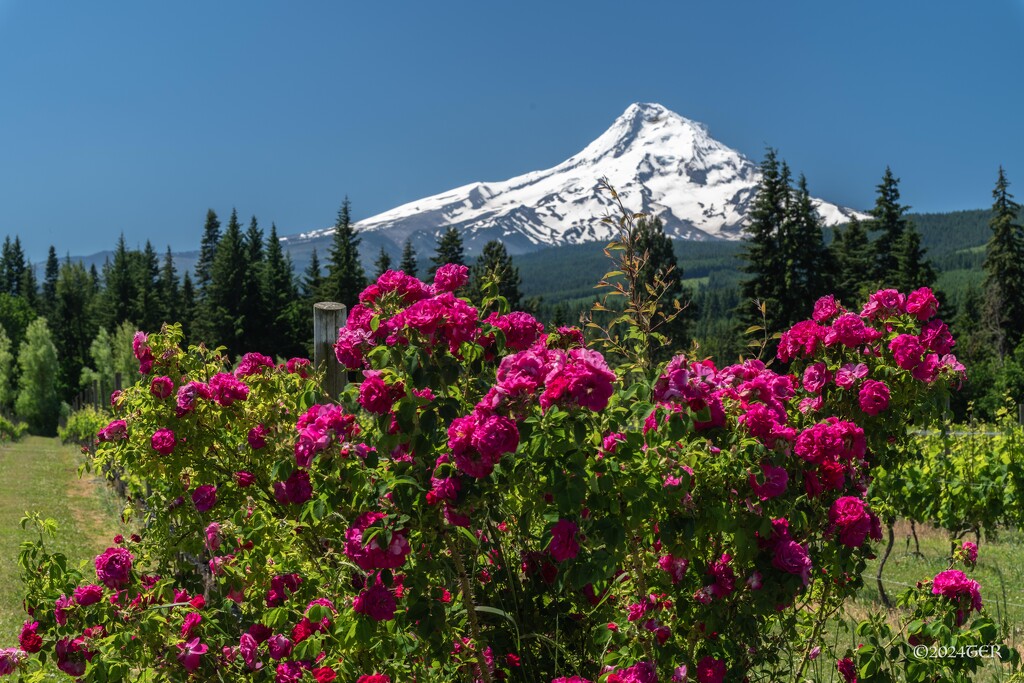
83, 425
408, 264
345, 277
1004, 267
449, 250
37, 402
494, 264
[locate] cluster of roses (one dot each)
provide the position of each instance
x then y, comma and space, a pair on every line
374, 545
925, 354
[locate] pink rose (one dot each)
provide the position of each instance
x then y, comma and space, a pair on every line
257, 437
775, 480
163, 441
190, 652
792, 558
922, 304
161, 387
450, 277
116, 430
204, 497
816, 376
376, 602
874, 397
88, 594
563, 544
113, 567
710, 670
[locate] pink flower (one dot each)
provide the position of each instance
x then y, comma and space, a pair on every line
954, 585
257, 437
375, 678
60, 607
907, 350
279, 646
10, 659
189, 394
248, 646
849, 330
936, 336
253, 364
724, 580
873, 397
376, 396
244, 479
213, 538
521, 329
295, 490
847, 670
113, 567
848, 375
642, 672
161, 387
563, 544
72, 656
816, 376
494, 436
371, 555
850, 517
29, 640
375, 602
775, 480
192, 621
801, 339
791, 557
674, 566
116, 430
227, 389
188, 653
163, 441
922, 304
825, 308
969, 552
710, 670
88, 594
450, 277
298, 366
288, 672
884, 304
204, 497
560, 679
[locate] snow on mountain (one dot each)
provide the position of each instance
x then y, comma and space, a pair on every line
659, 162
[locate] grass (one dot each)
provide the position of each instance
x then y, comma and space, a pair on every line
42, 476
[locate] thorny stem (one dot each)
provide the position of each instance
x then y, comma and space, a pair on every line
824, 615
467, 601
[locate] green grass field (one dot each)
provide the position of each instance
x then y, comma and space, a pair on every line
42, 475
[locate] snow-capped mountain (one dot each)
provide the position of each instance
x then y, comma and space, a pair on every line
659, 162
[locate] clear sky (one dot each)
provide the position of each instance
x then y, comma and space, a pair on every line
138, 116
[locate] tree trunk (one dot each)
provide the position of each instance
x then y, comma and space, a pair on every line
881, 567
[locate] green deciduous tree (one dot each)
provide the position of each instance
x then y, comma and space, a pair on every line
38, 402
7, 388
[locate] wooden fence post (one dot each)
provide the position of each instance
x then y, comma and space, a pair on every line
328, 318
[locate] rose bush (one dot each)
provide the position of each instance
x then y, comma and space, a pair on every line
492, 501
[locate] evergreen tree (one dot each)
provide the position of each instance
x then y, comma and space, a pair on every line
449, 250
29, 287
382, 264
121, 291
77, 326
889, 221
221, 319
809, 267
494, 264
187, 307
345, 278
913, 269
1004, 265
854, 262
12, 258
5, 264
765, 261
312, 279
254, 314
169, 292
148, 311
207, 251
37, 402
408, 264
280, 300
50, 276
660, 264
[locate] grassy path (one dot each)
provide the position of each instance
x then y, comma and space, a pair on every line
39, 474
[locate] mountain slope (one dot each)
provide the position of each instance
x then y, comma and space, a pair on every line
659, 162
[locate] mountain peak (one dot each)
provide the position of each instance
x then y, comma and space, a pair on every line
659, 162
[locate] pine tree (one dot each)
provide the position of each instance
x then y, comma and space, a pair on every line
913, 269
660, 263
50, 276
312, 279
169, 292
854, 262
221, 322
280, 299
29, 287
187, 308
207, 251
255, 316
887, 219
449, 250
77, 327
5, 265
809, 269
1004, 265
765, 262
148, 304
382, 264
13, 259
494, 264
408, 264
37, 402
121, 292
345, 278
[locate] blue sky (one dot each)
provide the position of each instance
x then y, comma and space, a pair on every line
137, 117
